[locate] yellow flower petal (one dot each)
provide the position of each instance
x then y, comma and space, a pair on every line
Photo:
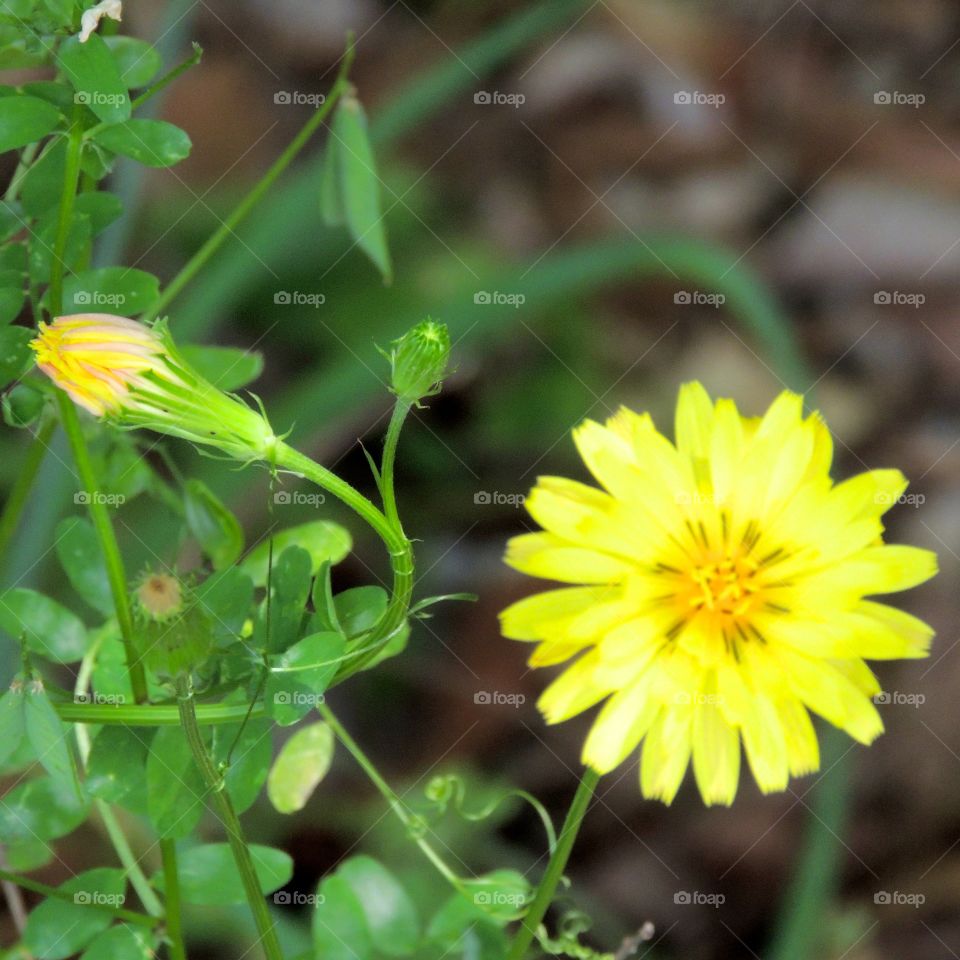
548, 556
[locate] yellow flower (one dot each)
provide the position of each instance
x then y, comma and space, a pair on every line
721, 585
134, 376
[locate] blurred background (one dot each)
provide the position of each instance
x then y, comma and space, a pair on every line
603, 199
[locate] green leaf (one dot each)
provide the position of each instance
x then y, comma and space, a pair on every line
94, 75
250, 762
340, 930
11, 219
322, 539
300, 675
228, 368
25, 119
227, 596
124, 291
461, 928
391, 916
101, 207
22, 405
216, 529
12, 722
209, 877
154, 143
303, 762
57, 929
58, 94
175, 788
11, 302
115, 767
41, 809
82, 560
51, 630
27, 855
359, 609
16, 357
359, 183
48, 736
120, 942
43, 238
43, 182
137, 61
290, 588
502, 894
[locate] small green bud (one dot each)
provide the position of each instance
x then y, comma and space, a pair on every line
419, 360
174, 635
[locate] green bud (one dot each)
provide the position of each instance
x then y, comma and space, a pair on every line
419, 360
174, 635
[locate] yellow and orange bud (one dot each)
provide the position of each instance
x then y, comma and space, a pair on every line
133, 375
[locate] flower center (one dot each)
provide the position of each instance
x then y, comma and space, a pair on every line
725, 587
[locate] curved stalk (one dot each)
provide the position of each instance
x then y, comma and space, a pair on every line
154, 715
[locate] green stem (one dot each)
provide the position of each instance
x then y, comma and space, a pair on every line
128, 916
558, 862
154, 715
171, 886
23, 165
255, 195
23, 484
228, 816
398, 546
168, 78
388, 793
71, 420
400, 411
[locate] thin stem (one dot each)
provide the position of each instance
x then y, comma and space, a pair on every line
23, 165
128, 916
171, 886
117, 837
398, 546
71, 177
400, 411
238, 844
168, 78
23, 483
558, 862
255, 195
154, 715
395, 803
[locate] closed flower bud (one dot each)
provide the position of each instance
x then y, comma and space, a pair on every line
419, 360
134, 376
173, 633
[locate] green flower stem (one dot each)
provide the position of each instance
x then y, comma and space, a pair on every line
153, 715
71, 420
400, 411
228, 816
256, 194
555, 867
128, 916
398, 546
23, 484
171, 886
27, 156
395, 803
169, 77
